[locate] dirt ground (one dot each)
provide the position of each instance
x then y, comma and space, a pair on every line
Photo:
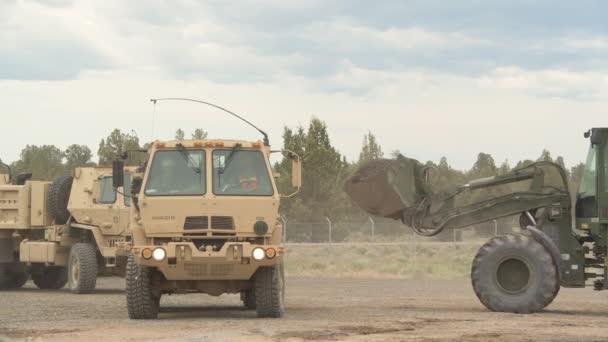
317, 310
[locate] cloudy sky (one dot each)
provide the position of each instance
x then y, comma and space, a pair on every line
430, 78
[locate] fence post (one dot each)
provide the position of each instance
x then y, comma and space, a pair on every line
373, 227
495, 228
284, 220
329, 226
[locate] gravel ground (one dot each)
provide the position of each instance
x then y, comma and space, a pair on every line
317, 309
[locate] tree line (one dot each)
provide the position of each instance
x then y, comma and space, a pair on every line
325, 169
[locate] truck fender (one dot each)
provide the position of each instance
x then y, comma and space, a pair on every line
546, 241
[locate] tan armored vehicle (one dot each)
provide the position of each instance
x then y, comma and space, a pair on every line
65, 231
205, 218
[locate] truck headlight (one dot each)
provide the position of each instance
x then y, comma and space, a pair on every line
258, 254
159, 254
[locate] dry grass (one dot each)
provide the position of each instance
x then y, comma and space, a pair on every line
429, 261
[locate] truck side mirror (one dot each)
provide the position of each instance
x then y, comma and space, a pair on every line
118, 174
296, 173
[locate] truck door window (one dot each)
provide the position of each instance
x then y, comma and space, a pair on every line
586, 202
107, 194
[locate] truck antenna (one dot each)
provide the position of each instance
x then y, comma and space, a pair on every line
266, 142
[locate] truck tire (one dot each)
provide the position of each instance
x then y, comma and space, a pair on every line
82, 268
248, 298
514, 273
50, 277
143, 291
269, 286
58, 198
11, 279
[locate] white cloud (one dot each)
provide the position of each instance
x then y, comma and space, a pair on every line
586, 85
587, 43
428, 91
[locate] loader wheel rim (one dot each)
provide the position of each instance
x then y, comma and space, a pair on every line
513, 275
75, 270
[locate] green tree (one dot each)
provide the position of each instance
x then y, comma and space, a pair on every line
484, 166
112, 147
576, 173
324, 172
370, 150
77, 156
179, 134
199, 134
44, 162
545, 156
504, 168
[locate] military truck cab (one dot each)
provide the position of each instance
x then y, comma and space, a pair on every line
206, 219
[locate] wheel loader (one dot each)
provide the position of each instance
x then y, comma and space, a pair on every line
67, 231
562, 241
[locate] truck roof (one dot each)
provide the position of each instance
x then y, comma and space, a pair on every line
206, 143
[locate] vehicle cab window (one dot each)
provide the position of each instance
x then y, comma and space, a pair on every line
107, 194
586, 198
177, 173
241, 173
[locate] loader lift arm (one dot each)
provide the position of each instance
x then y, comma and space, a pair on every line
438, 212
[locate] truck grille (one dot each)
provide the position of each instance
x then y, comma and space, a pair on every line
196, 222
222, 222
208, 270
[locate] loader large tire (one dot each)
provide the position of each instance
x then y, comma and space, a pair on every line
515, 273
10, 278
58, 198
143, 291
82, 268
50, 277
269, 285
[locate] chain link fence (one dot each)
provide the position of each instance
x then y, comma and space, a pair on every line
383, 231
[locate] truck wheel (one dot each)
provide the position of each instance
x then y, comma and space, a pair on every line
82, 268
143, 291
50, 277
58, 198
11, 279
269, 286
514, 273
248, 298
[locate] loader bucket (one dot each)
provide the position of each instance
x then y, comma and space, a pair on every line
385, 187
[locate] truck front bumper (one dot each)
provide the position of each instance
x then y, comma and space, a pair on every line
183, 261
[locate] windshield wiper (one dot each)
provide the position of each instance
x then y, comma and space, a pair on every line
188, 157
229, 158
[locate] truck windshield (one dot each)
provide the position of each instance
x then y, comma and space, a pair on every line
173, 175
246, 175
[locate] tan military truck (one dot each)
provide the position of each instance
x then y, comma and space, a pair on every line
205, 218
65, 231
